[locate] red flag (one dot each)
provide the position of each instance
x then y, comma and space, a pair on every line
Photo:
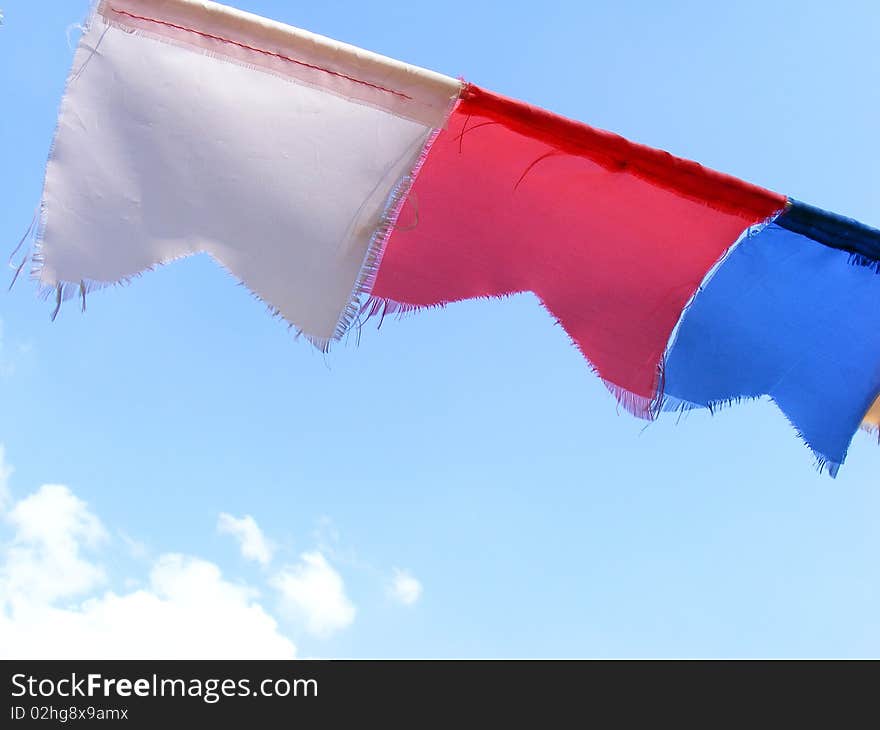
612, 236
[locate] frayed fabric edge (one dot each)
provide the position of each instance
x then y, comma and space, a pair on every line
870, 428
822, 462
360, 301
377, 308
64, 291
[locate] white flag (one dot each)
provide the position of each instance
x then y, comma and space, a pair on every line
191, 127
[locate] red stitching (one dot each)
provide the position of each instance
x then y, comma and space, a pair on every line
264, 52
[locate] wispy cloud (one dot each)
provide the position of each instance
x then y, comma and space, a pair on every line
251, 540
405, 588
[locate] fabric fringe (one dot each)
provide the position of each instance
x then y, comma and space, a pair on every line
27, 238
872, 429
822, 463
637, 405
376, 308
363, 286
857, 259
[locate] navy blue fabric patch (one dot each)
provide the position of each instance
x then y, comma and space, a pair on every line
831, 229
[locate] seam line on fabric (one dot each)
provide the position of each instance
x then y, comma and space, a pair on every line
254, 49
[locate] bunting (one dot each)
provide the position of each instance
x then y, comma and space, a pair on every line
189, 127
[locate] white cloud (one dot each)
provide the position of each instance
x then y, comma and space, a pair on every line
58, 601
45, 560
314, 593
50, 605
188, 611
251, 540
405, 587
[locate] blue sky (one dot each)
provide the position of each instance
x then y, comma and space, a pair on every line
470, 448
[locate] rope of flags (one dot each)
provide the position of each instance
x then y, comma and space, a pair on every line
337, 183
